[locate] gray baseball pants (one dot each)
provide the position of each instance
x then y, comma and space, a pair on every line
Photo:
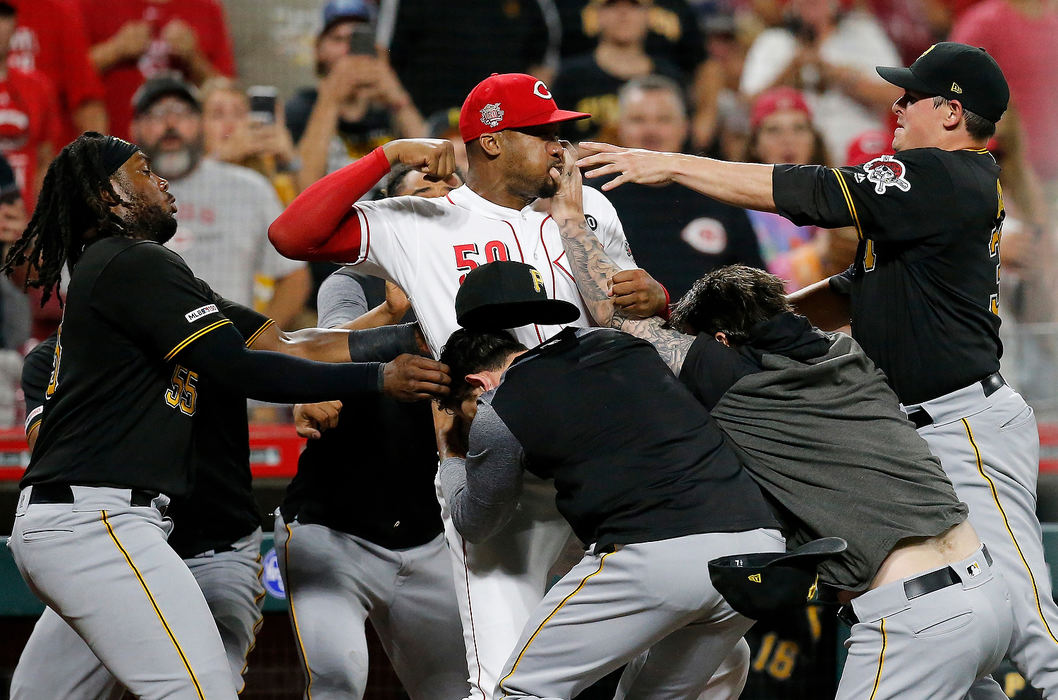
106, 568
990, 448
231, 584
932, 646
336, 581
611, 607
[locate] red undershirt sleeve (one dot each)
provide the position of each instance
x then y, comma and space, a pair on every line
321, 223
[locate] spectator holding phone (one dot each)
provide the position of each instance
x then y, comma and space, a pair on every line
358, 104
247, 129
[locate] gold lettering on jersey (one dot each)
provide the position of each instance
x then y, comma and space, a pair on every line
869, 259
53, 380
538, 280
183, 390
994, 242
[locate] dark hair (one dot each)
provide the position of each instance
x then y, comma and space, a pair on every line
71, 203
731, 299
977, 126
467, 352
393, 182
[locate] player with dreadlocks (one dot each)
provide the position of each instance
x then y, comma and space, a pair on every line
138, 332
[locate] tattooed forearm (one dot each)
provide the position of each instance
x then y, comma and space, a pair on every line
671, 345
592, 267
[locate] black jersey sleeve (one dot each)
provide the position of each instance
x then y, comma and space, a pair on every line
148, 291
36, 376
904, 197
250, 324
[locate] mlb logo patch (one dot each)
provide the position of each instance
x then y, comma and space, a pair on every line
974, 569
201, 311
491, 115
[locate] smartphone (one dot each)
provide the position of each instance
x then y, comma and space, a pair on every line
262, 103
362, 41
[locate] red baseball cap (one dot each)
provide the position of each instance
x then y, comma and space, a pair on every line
775, 100
869, 145
509, 101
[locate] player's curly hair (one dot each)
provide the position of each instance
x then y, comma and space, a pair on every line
730, 299
468, 352
70, 204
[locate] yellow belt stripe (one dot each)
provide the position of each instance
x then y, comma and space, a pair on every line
193, 337
154, 604
881, 663
294, 616
1006, 523
253, 338
848, 200
602, 562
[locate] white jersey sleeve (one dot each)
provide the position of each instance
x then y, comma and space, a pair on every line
602, 219
390, 232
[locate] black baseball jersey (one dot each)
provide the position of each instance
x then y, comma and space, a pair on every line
925, 283
220, 508
381, 457
36, 371
679, 235
654, 467
119, 406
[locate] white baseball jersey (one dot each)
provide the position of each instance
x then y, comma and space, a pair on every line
427, 246
223, 212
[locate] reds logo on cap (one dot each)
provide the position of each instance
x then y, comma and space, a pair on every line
885, 172
526, 101
491, 115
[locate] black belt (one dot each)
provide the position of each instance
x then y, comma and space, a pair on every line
917, 587
990, 384
62, 493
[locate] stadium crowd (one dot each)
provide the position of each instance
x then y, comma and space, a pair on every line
754, 81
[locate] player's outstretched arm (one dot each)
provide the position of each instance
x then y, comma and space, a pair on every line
594, 272
340, 345
320, 224
823, 306
746, 185
222, 357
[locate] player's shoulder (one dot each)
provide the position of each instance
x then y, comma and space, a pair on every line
429, 207
39, 359
596, 201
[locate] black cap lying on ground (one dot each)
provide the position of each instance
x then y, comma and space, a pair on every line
765, 584
956, 72
506, 294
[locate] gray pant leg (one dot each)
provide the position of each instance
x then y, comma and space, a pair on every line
82, 677
934, 646
986, 689
612, 607
107, 569
992, 458
328, 604
231, 585
419, 624
727, 682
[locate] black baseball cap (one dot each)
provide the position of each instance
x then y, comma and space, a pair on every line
764, 584
165, 85
956, 72
505, 294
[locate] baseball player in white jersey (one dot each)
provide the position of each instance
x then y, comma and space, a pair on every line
427, 246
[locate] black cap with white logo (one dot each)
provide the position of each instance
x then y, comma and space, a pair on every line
956, 72
506, 294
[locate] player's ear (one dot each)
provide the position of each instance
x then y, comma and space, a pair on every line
721, 337
491, 144
480, 380
953, 114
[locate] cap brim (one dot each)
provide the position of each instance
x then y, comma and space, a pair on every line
502, 315
556, 117
904, 78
